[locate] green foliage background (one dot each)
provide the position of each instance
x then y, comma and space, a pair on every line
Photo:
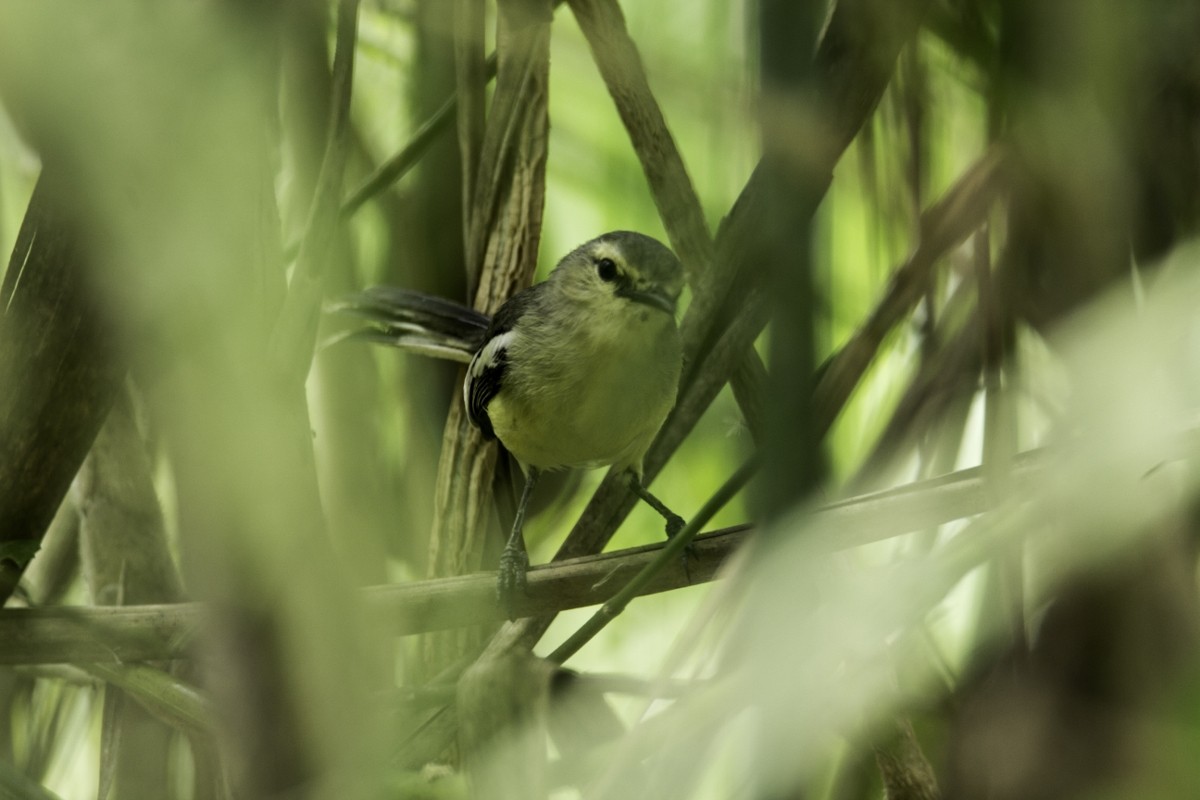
836, 646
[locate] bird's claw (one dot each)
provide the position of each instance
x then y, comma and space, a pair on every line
510, 583
675, 524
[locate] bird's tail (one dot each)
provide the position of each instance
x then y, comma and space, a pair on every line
413, 321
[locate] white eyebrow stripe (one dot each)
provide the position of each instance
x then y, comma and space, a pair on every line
607, 250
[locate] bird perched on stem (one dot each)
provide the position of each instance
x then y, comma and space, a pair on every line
579, 371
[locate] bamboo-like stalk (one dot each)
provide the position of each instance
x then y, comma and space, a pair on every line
501, 248
295, 332
126, 559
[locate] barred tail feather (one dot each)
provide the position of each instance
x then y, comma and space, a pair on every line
413, 321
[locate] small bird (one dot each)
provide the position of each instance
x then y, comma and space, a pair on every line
579, 371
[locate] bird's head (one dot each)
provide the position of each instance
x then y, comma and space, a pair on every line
622, 266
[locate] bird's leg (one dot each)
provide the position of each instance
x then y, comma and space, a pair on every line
514, 560
674, 522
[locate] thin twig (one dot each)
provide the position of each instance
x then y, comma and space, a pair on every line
999, 436
399, 164
617, 57
166, 697
946, 223
414, 699
674, 551
396, 167
471, 76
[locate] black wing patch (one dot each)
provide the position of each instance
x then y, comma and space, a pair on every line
484, 379
485, 375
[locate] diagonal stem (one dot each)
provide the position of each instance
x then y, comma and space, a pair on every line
674, 549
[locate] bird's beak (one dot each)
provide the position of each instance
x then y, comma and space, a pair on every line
651, 297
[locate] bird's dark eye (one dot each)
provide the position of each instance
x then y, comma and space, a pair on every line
606, 268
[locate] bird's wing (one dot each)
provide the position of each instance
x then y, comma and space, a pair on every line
485, 375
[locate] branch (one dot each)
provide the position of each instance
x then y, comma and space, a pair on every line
169, 699
621, 67
155, 632
135, 633
59, 368
673, 552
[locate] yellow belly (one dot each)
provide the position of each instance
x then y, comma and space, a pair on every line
606, 411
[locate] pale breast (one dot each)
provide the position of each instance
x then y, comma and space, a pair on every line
606, 409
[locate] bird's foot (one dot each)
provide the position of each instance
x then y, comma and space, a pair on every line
510, 583
674, 524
